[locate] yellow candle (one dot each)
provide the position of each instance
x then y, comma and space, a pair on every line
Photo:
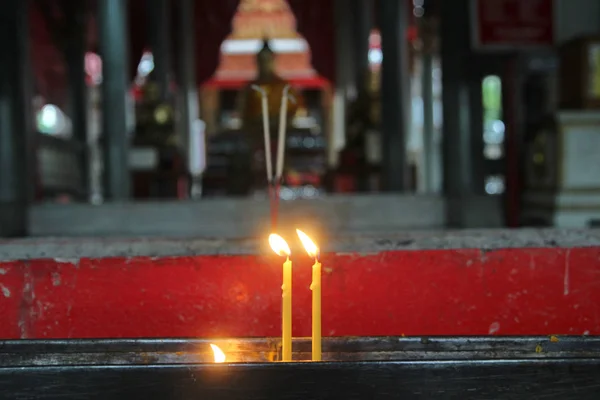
313, 251
316, 311
281, 248
286, 320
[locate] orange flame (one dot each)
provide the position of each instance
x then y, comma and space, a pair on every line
279, 245
311, 248
218, 353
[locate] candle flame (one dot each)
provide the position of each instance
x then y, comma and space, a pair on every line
218, 353
279, 245
311, 248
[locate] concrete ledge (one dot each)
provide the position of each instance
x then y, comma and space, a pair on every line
73, 249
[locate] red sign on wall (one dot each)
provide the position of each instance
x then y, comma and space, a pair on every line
505, 24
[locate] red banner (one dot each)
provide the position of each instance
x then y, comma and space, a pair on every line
512, 23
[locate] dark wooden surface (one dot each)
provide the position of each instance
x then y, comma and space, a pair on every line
445, 368
556, 379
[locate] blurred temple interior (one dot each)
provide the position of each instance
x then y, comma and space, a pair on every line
140, 117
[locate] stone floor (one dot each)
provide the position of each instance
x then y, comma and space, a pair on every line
245, 218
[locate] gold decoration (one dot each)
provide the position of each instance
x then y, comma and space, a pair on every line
260, 19
263, 6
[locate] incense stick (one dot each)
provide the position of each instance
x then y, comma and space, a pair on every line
274, 204
266, 131
273, 188
281, 136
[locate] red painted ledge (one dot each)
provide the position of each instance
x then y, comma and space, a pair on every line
511, 291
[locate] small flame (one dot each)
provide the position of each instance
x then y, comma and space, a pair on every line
311, 248
279, 245
219, 355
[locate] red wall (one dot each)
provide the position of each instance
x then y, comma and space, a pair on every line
433, 292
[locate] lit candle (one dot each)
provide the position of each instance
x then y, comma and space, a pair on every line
281, 135
266, 131
315, 286
281, 248
218, 353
